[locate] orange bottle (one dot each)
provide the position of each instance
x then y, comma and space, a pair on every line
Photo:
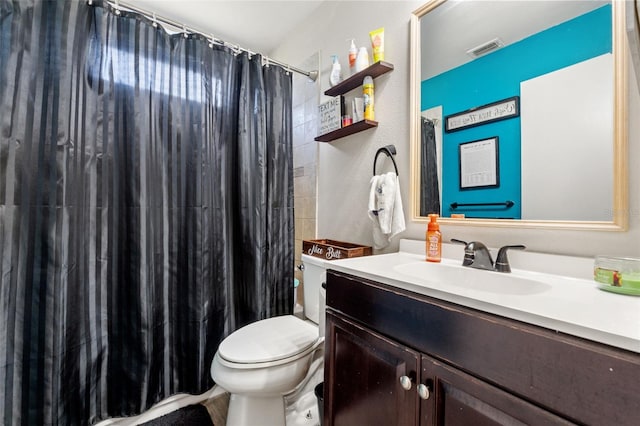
434, 240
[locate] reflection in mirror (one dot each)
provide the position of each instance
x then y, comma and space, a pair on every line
518, 113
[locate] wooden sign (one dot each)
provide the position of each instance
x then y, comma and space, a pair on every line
331, 249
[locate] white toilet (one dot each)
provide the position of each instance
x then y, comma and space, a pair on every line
260, 363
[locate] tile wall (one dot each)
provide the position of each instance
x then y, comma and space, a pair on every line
306, 95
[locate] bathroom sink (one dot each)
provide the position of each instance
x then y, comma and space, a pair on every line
472, 279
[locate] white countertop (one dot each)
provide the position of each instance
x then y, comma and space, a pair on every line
570, 305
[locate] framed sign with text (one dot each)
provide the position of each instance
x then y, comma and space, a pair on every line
506, 108
479, 164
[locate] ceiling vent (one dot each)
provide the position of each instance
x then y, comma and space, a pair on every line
485, 48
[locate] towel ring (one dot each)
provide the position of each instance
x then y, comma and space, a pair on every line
390, 151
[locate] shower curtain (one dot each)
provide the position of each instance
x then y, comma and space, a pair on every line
146, 208
429, 181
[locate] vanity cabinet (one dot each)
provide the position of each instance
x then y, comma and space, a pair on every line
383, 344
365, 386
457, 398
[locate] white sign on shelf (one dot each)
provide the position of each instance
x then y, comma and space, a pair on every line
329, 113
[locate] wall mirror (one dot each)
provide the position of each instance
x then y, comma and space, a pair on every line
518, 113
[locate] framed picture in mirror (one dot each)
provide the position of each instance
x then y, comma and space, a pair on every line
479, 164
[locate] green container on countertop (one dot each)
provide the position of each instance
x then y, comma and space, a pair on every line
617, 274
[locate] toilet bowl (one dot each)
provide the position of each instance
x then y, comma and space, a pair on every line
260, 363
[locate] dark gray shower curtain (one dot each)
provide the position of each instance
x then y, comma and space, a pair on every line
146, 209
429, 181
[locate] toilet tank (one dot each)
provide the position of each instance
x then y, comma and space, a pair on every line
314, 275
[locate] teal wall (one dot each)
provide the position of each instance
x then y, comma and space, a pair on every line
497, 76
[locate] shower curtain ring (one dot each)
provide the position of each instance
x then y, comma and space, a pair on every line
184, 31
213, 39
117, 7
155, 21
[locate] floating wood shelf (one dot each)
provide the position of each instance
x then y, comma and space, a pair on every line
346, 131
355, 80
347, 85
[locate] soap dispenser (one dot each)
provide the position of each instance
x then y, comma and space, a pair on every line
434, 240
336, 72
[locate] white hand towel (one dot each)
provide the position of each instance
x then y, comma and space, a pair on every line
385, 209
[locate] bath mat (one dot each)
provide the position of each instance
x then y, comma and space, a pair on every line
191, 415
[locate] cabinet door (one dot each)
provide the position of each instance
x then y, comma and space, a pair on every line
456, 398
363, 373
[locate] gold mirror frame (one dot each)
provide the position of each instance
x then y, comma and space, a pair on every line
620, 173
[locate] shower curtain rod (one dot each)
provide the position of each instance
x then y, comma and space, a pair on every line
118, 6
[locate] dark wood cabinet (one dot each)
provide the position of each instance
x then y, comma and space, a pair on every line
471, 368
459, 399
368, 371
366, 376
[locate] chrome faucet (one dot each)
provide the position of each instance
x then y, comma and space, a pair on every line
502, 262
477, 255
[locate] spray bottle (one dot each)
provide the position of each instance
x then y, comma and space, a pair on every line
367, 92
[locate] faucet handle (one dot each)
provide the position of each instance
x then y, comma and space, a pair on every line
502, 262
468, 255
453, 240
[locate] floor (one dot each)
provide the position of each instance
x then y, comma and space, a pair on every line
217, 408
216, 400
301, 404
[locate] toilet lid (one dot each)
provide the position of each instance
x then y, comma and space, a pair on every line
268, 340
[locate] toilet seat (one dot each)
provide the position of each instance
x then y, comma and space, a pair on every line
268, 342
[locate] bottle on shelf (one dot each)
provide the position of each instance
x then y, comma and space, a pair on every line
362, 59
353, 53
367, 92
336, 72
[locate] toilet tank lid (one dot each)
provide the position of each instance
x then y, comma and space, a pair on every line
315, 260
268, 340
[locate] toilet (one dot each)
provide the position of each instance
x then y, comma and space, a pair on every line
262, 362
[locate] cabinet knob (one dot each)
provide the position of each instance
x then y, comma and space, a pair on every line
405, 382
423, 391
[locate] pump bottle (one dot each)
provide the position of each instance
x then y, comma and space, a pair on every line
353, 52
434, 240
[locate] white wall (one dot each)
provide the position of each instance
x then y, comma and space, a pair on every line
567, 142
345, 165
